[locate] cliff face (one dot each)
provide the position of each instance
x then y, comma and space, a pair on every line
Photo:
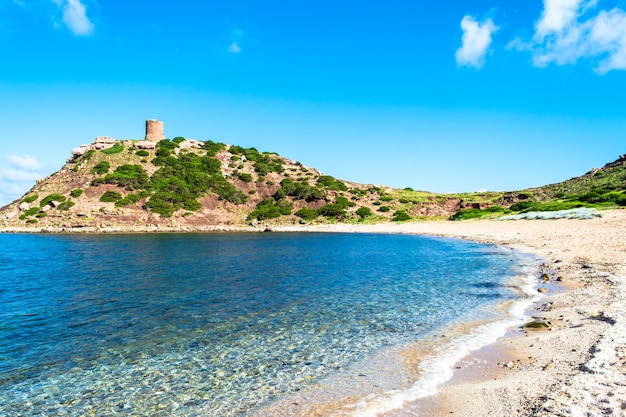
187, 184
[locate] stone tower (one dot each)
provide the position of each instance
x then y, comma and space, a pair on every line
154, 130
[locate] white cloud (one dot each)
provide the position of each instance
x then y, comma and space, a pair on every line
569, 30
18, 177
24, 162
234, 48
75, 17
476, 41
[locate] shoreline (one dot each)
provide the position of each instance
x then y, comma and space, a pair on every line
576, 368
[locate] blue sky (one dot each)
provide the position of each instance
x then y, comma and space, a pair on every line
445, 96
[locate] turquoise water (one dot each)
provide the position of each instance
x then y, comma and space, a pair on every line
171, 324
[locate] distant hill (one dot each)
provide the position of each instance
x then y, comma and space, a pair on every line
186, 184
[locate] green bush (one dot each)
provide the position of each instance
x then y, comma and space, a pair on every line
66, 205
331, 183
31, 211
403, 201
101, 168
31, 221
307, 213
364, 212
178, 139
212, 148
343, 201
31, 198
332, 210
266, 209
128, 200
40, 215
132, 177
117, 148
522, 205
386, 198
110, 197
77, 192
400, 216
87, 155
142, 152
384, 209
50, 198
468, 214
245, 177
408, 189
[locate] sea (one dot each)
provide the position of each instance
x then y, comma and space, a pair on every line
231, 324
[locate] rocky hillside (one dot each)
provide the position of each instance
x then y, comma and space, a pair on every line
189, 185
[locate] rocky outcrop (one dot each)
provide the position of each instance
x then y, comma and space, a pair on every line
145, 144
103, 142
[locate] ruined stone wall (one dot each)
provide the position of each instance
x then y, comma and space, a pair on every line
154, 130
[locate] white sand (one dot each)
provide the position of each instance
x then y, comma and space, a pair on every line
578, 368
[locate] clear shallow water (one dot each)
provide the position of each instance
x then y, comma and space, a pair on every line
177, 323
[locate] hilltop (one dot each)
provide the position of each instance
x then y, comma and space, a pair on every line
186, 184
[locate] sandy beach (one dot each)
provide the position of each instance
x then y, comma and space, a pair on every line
578, 366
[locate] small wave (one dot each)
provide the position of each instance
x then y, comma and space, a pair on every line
438, 369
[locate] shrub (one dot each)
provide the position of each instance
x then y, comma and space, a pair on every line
101, 168
31, 221
245, 177
307, 213
132, 177
50, 198
384, 209
87, 155
343, 201
142, 152
284, 206
364, 212
40, 215
66, 205
408, 189
386, 198
266, 209
77, 192
400, 216
332, 210
178, 139
331, 183
212, 148
31, 198
522, 205
128, 200
403, 201
31, 211
467, 214
110, 197
117, 148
